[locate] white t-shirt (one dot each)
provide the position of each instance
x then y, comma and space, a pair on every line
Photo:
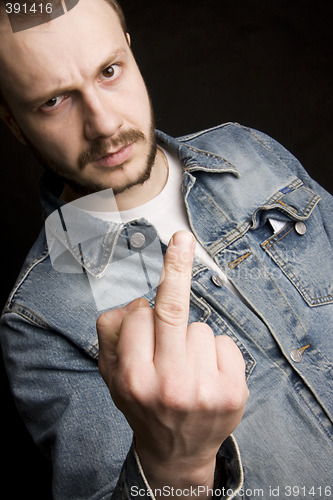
167, 213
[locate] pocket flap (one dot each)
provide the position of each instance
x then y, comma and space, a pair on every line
294, 201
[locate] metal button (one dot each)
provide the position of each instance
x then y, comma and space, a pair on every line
217, 280
296, 354
300, 228
137, 240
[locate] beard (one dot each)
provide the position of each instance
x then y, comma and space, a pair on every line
98, 149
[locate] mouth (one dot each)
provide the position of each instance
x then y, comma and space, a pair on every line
115, 158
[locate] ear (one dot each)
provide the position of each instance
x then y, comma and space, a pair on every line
128, 38
7, 117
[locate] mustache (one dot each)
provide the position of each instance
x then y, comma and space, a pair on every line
98, 149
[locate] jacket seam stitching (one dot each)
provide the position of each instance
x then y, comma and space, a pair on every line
188, 137
27, 314
26, 274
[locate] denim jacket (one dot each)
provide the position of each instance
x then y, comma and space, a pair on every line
234, 181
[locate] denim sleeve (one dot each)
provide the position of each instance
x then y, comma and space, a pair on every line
68, 411
66, 407
133, 484
326, 203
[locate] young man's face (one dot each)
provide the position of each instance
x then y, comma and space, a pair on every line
76, 96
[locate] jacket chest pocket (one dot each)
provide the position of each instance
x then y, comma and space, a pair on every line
304, 254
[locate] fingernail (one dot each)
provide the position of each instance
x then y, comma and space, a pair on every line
183, 239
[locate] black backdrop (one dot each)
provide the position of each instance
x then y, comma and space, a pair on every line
263, 63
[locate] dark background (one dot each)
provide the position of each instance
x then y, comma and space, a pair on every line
262, 63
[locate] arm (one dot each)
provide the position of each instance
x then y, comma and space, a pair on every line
182, 390
66, 408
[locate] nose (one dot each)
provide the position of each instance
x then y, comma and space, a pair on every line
101, 118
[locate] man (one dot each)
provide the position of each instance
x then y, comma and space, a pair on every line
88, 118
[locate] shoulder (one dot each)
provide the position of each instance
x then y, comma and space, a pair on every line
225, 132
32, 263
232, 142
235, 141
244, 146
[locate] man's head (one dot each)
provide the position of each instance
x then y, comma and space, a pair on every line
74, 94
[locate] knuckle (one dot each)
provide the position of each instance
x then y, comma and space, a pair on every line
102, 322
206, 400
170, 311
128, 385
140, 315
236, 399
109, 321
178, 264
176, 270
124, 386
233, 404
171, 397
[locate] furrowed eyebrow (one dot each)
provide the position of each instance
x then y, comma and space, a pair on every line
61, 90
121, 53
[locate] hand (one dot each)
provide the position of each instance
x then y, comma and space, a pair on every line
181, 389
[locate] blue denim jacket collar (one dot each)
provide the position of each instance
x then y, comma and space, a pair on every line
65, 223
196, 159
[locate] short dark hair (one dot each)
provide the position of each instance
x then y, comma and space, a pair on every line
119, 11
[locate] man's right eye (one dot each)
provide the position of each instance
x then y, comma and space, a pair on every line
53, 102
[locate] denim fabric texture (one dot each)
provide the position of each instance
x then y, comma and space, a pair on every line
234, 180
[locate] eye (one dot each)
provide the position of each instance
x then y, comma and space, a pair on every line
54, 102
111, 71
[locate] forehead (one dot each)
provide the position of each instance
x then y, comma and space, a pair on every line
56, 52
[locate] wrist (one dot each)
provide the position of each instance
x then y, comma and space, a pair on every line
177, 473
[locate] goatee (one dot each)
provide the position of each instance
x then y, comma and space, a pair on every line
97, 150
